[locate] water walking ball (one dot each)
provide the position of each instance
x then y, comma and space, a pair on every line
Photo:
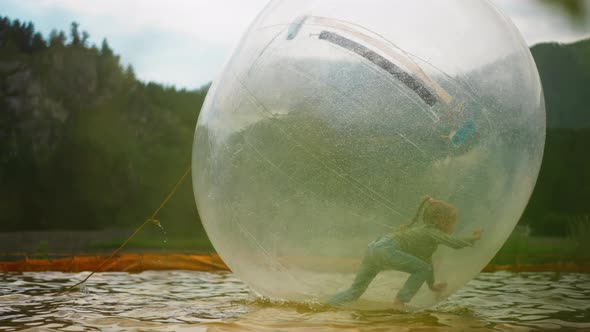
333, 118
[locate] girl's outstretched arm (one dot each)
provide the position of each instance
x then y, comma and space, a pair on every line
453, 242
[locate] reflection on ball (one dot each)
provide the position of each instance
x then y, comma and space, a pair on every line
334, 118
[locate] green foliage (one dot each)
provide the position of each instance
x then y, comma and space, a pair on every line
565, 73
579, 232
526, 249
42, 249
21, 36
84, 144
195, 243
563, 186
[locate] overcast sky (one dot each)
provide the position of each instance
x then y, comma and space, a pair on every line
185, 42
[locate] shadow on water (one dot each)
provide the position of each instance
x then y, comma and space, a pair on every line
200, 301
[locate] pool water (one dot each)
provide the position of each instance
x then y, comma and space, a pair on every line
203, 301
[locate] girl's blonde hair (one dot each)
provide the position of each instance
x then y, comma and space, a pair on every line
436, 213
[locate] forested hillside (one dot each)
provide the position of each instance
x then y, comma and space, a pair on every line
85, 144
562, 194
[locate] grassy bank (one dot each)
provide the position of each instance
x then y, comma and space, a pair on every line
520, 248
524, 248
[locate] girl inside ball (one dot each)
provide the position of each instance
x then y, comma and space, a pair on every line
409, 248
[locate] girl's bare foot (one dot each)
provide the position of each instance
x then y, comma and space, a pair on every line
399, 305
439, 287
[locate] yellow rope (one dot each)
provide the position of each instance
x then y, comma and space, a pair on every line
152, 218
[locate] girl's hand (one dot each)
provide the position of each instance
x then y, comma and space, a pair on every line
477, 234
402, 228
439, 287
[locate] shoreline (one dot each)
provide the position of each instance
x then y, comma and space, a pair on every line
206, 262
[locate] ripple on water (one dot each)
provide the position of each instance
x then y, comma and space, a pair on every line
200, 301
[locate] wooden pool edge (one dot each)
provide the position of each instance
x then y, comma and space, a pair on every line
139, 262
134, 263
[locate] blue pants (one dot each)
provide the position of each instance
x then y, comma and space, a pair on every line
382, 254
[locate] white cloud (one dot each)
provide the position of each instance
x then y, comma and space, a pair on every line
540, 23
185, 42
212, 21
180, 42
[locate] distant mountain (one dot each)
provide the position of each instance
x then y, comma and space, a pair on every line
84, 144
561, 196
565, 73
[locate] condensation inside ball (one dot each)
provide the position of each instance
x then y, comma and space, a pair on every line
333, 118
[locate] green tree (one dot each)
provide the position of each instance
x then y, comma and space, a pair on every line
75, 34
57, 38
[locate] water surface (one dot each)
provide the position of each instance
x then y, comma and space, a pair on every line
202, 301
